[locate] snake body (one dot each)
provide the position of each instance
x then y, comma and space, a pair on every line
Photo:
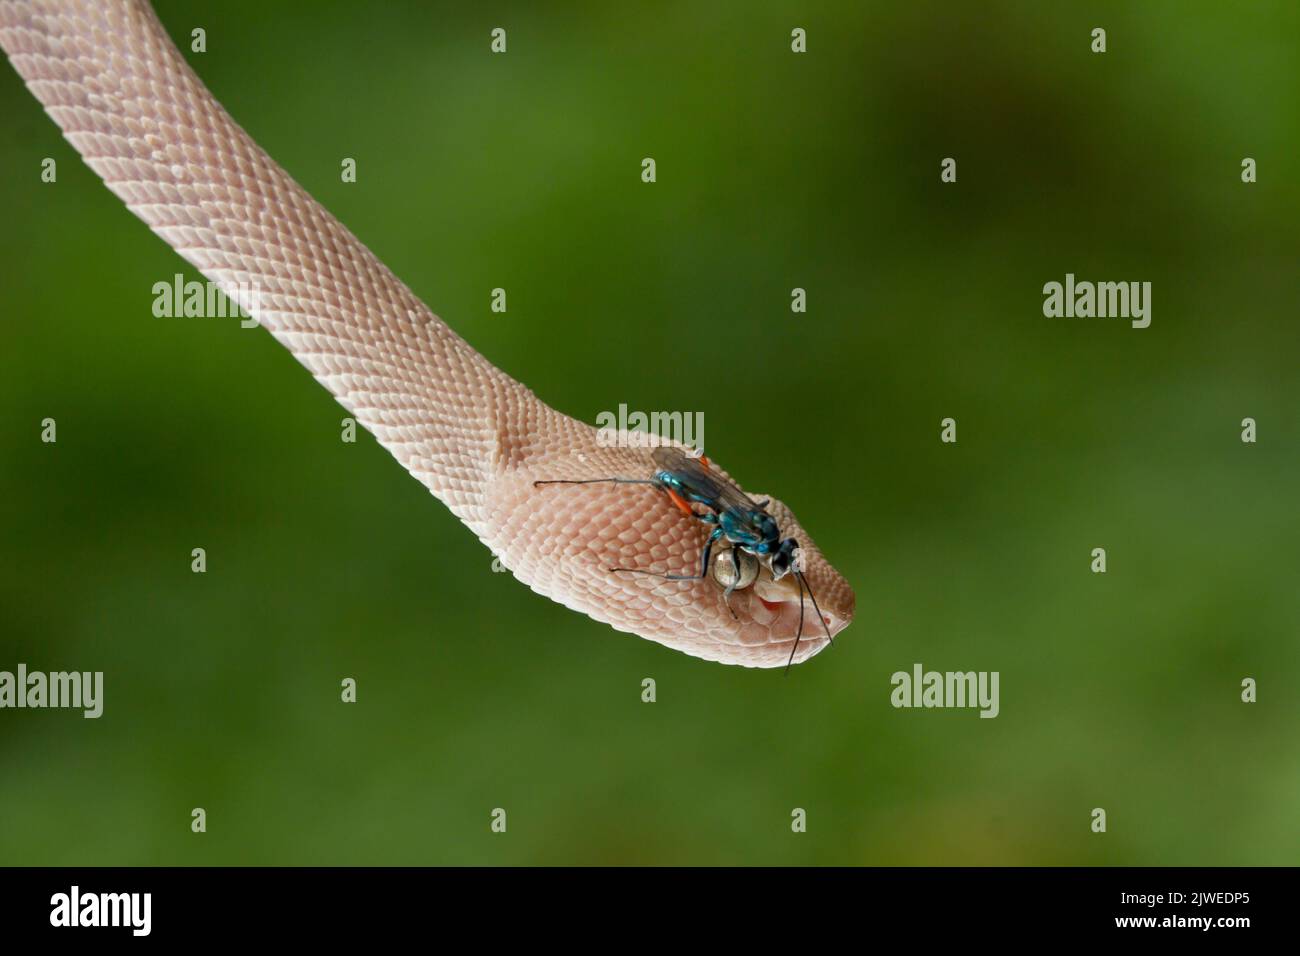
125, 98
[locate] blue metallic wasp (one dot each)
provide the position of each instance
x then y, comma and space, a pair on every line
731, 513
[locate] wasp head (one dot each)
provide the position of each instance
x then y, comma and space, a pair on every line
784, 558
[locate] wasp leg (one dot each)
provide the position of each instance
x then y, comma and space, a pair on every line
704, 564
726, 595
597, 481
682, 504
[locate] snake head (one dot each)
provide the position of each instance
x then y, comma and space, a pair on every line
564, 540
798, 596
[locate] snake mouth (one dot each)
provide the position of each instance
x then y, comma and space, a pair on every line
782, 606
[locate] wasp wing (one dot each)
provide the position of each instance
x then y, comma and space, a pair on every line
708, 486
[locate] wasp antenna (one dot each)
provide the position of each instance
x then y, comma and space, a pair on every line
826, 627
799, 635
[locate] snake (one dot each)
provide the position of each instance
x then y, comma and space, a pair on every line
126, 99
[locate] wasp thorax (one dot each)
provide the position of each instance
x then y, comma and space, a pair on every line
724, 568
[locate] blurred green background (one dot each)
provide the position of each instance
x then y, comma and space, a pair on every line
775, 170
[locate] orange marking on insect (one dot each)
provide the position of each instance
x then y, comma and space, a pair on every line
705, 459
680, 502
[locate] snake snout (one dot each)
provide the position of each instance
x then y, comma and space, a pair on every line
790, 614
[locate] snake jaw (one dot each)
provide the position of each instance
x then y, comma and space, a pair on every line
778, 605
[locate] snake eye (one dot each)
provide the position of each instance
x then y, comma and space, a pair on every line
724, 570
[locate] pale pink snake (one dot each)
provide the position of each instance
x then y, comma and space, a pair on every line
126, 99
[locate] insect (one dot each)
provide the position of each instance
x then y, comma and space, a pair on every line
733, 515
